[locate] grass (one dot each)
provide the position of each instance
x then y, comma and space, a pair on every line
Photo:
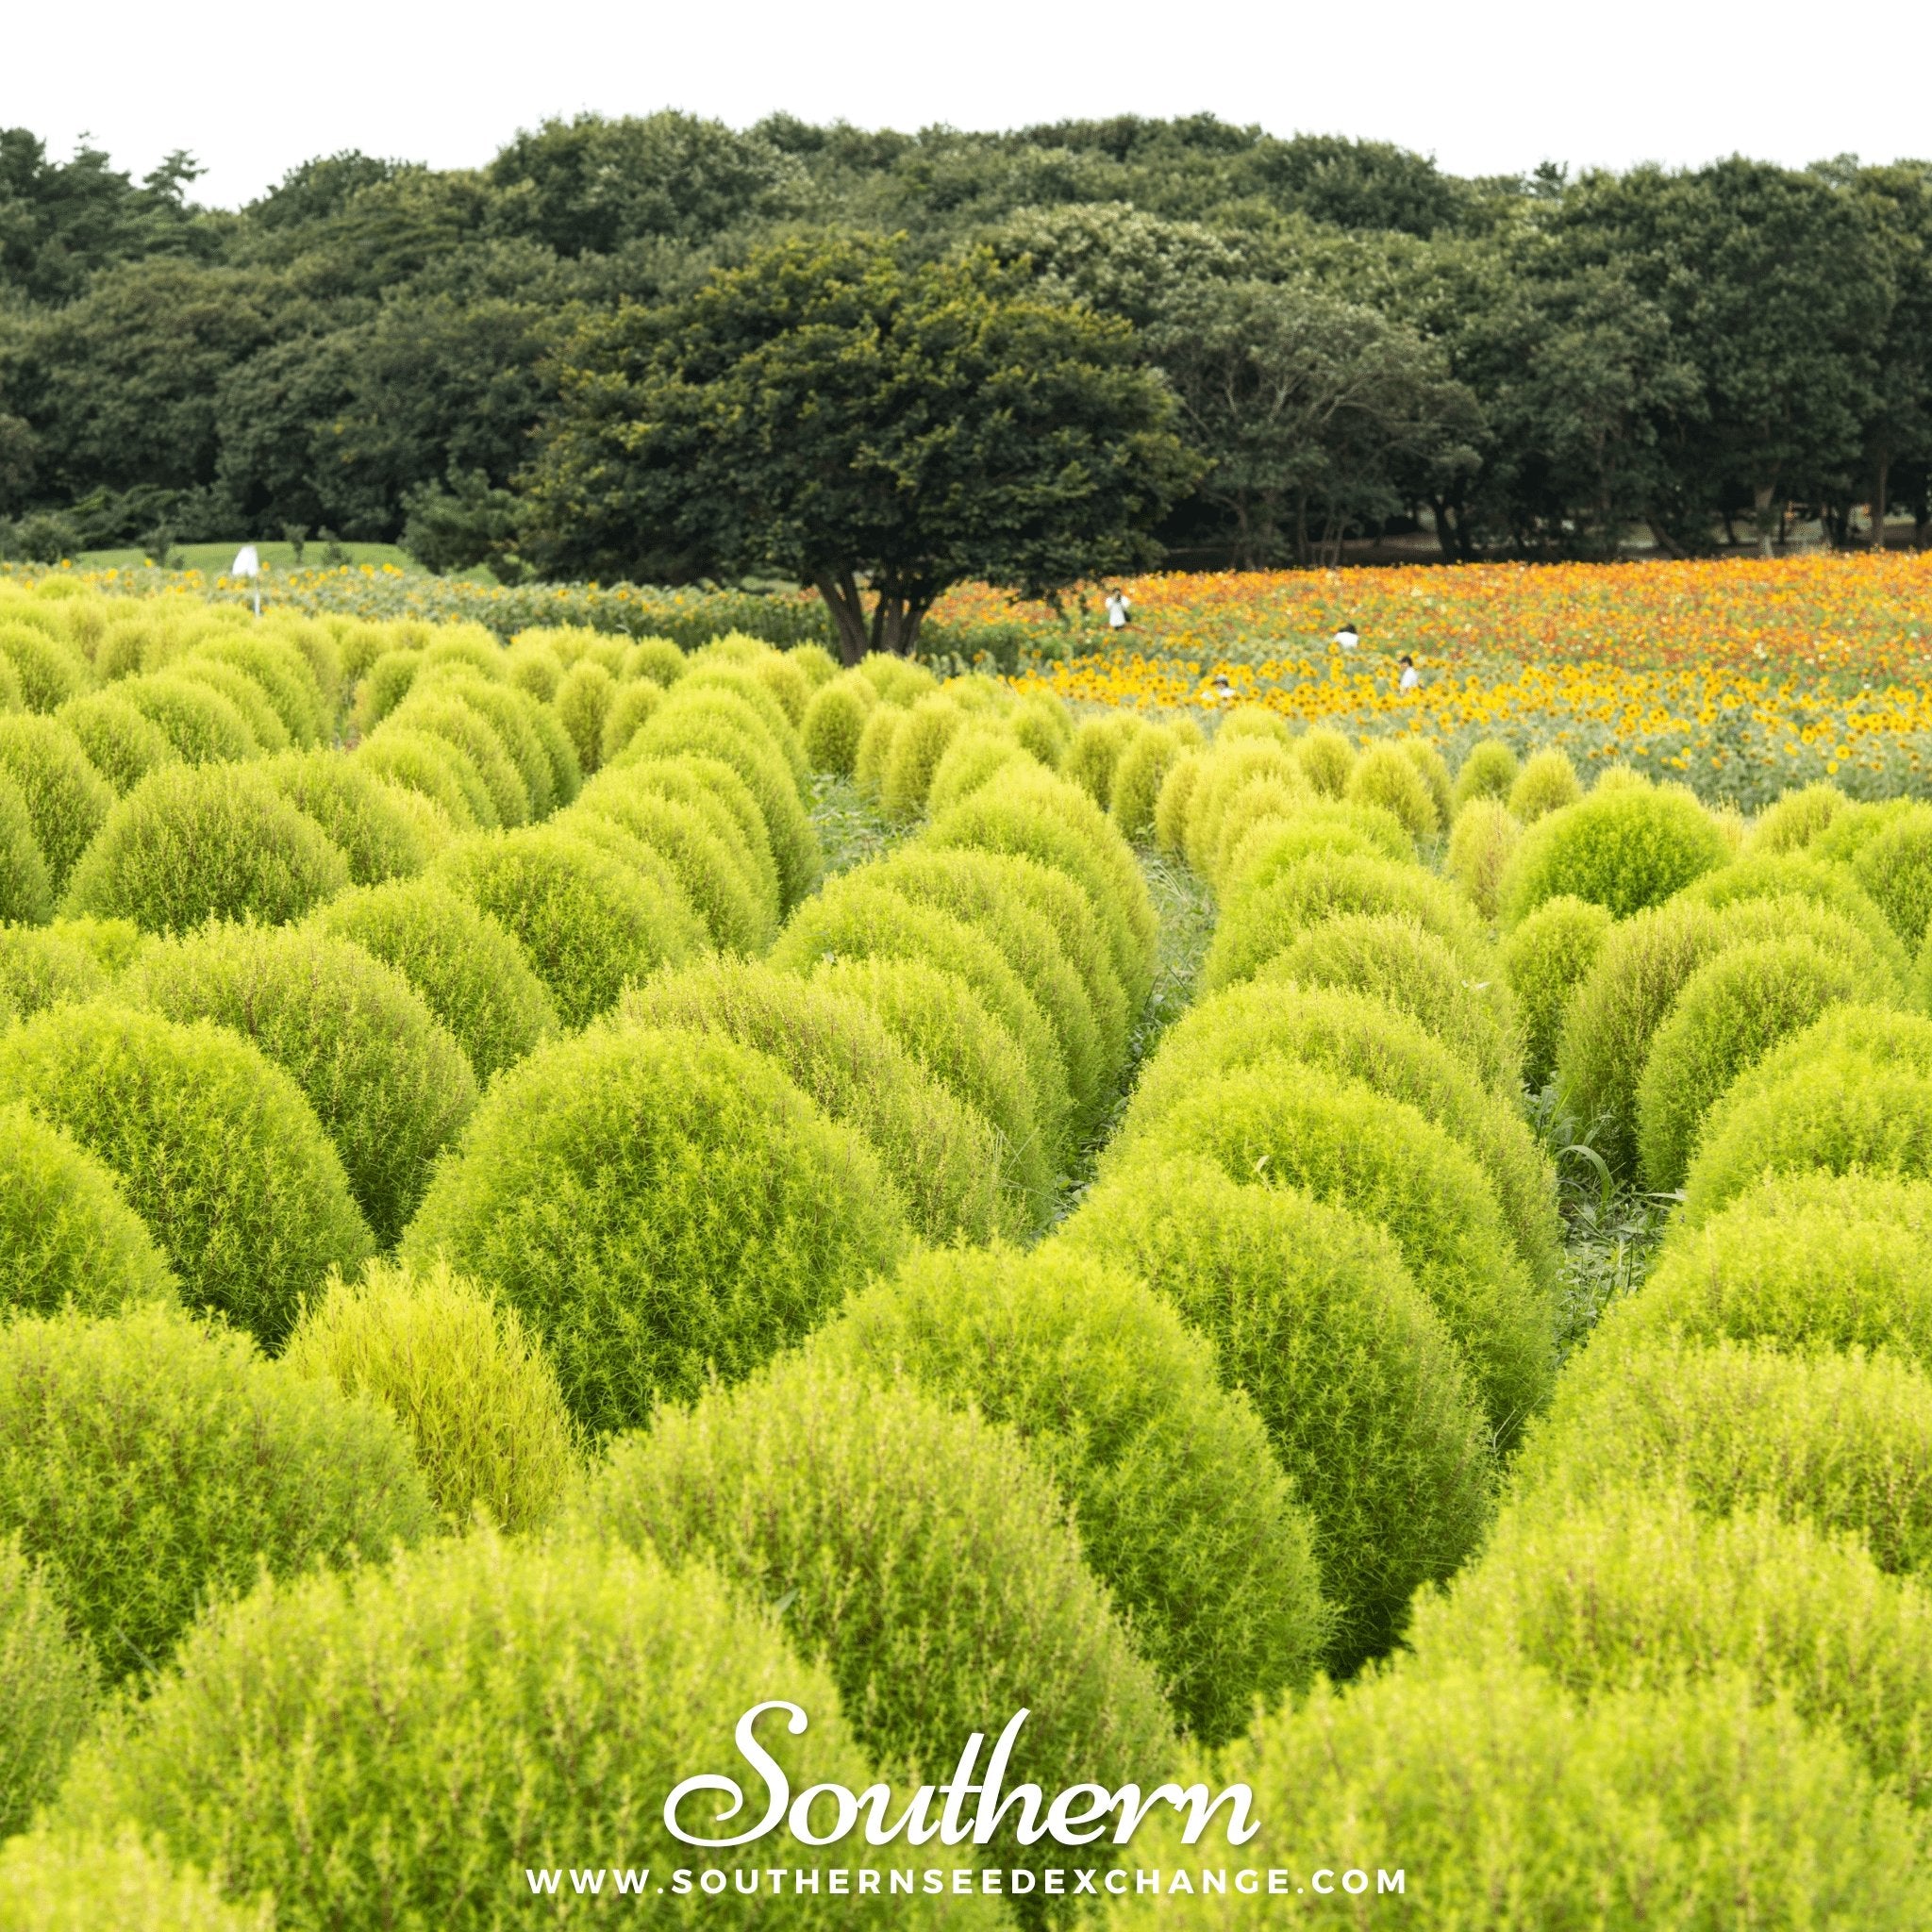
277, 559
852, 829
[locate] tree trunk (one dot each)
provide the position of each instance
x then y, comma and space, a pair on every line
1661, 536
1761, 508
843, 599
1881, 498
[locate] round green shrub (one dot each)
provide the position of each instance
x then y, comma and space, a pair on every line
1637, 1591
383, 687
1142, 770
833, 720
1482, 841
1364, 1395
359, 812
1385, 776
1176, 798
1626, 851
586, 926
738, 690
1326, 759
1395, 958
285, 677
658, 659
917, 747
71, 1882
975, 755
1429, 763
435, 769
583, 705
1044, 727
784, 676
196, 842
67, 800
1894, 867
1853, 827
1036, 815
1253, 721
1123, 1407
1269, 800
388, 1083
67, 1239
1878, 1034
1272, 844
197, 720
45, 965
1643, 965
1544, 961
684, 934
1515, 1807
817, 664
149, 1463
1277, 905
1352, 1034
468, 1383
48, 1693
631, 707
488, 1704
49, 670
214, 1148
941, 1023
1732, 1011
545, 760
12, 698
661, 1207
112, 942
264, 725
1095, 750
1387, 1162
873, 751
1796, 820
1830, 889
938, 1153
857, 917
122, 743
444, 709
1547, 783
922, 1557
1230, 771
468, 647
716, 790
26, 891
1489, 770
469, 972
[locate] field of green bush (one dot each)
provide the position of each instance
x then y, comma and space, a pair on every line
551, 1192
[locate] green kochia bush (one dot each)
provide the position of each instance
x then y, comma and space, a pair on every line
1828, 888
195, 842
489, 1705
587, 924
1490, 770
920, 1554
462, 1376
1544, 960
1796, 820
1894, 866
1643, 1591
1143, 766
42, 965
201, 726
712, 786
1624, 850
1362, 1391
48, 1691
363, 815
148, 1462
941, 1155
661, 1207
67, 800
388, 1083
214, 1148
1355, 1035
1524, 1810
1385, 1161
434, 767
1731, 1011
465, 968
26, 891
1122, 1404
122, 743
66, 1236
65, 1881
1841, 1442
1384, 775
1547, 783
921, 743
833, 720
445, 712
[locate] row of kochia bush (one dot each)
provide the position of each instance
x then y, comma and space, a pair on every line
1693, 1659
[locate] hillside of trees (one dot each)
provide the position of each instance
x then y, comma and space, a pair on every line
1351, 342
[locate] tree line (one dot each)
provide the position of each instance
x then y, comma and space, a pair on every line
660, 347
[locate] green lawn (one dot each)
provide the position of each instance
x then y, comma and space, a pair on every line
216, 557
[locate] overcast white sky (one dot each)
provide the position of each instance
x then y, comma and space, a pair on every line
1488, 88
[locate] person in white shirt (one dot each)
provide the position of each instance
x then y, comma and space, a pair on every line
1347, 637
1118, 610
1409, 680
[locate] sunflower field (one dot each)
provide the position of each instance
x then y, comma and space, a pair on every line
1339, 1271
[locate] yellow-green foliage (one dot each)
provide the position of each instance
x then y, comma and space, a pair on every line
149, 1463
662, 1208
382, 688
1044, 725
387, 1082
462, 1374
67, 1238
531, 665
1422, 753
1141, 772
1326, 759
1352, 1034
532, 734
746, 698
783, 675
1628, 850
834, 720
311, 1732
435, 768
1122, 1405
1385, 775
1273, 842
200, 725
917, 748
1230, 771
1094, 753
1364, 1395
724, 801
48, 1691
921, 1556
122, 743
26, 891
873, 751
1482, 841
632, 706
1544, 960
1490, 770
656, 658
1547, 783
43, 965
1894, 866
469, 972
937, 1019
1524, 1809
448, 709
1394, 956
815, 663
976, 753
587, 923
362, 813
1732, 1011
190, 843
1175, 796
214, 1148
1384, 1160
1797, 819
583, 703
73, 1881
264, 725
940, 1153
1829, 889
67, 801
47, 669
